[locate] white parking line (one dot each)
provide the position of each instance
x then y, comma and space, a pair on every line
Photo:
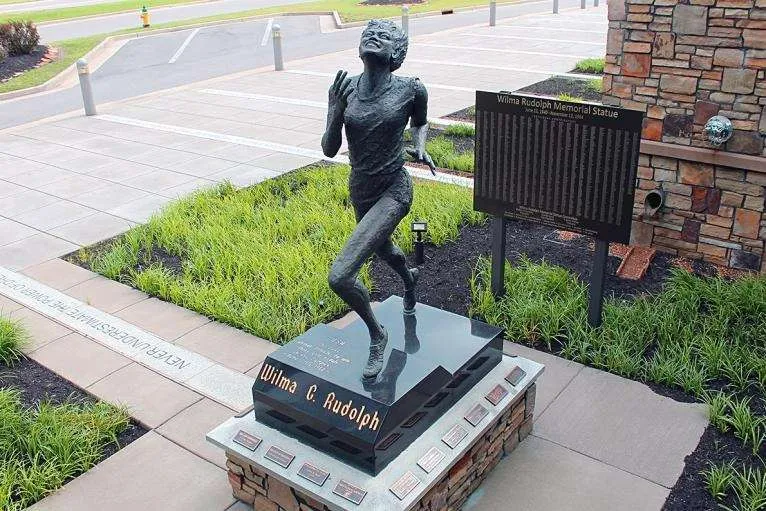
281, 148
308, 72
183, 46
503, 68
541, 39
296, 101
500, 50
557, 29
267, 32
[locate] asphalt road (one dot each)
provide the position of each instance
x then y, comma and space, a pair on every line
114, 22
142, 65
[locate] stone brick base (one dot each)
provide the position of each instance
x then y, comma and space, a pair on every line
255, 487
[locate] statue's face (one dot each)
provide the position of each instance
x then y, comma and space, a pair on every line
377, 42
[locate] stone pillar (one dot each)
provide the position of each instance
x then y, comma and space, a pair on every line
681, 63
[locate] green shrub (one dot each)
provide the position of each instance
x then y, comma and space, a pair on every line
460, 130
569, 97
19, 37
43, 448
12, 340
444, 154
596, 85
258, 258
593, 65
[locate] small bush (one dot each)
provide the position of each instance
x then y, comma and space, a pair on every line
460, 130
595, 66
569, 97
3, 53
19, 37
12, 340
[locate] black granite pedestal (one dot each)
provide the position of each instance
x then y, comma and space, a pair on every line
312, 388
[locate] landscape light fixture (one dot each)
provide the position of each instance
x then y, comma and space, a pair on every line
419, 228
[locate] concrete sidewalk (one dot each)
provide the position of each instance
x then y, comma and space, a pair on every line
601, 442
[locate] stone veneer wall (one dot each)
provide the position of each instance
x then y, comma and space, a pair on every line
256, 487
681, 63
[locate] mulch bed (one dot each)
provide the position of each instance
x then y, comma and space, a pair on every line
17, 64
467, 114
38, 384
445, 280
560, 85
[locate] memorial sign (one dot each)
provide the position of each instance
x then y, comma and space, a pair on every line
279, 456
497, 394
430, 459
454, 436
310, 388
515, 376
404, 485
349, 491
314, 474
247, 440
476, 414
567, 165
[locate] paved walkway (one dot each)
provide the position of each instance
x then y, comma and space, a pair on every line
600, 442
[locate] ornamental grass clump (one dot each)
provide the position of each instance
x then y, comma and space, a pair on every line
12, 339
258, 258
44, 447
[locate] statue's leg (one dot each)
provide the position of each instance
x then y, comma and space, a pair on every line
375, 227
394, 257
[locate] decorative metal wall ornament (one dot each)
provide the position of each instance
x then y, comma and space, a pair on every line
718, 129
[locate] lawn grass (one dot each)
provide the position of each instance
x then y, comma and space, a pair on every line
592, 65
258, 258
12, 340
71, 50
43, 448
704, 335
349, 10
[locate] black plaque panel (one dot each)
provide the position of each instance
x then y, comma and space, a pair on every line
431, 459
571, 166
314, 474
350, 492
497, 394
279, 456
247, 440
454, 436
476, 414
404, 485
515, 376
312, 388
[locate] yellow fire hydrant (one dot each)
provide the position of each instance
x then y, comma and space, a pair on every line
145, 16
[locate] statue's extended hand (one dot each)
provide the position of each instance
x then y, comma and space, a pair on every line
423, 157
340, 90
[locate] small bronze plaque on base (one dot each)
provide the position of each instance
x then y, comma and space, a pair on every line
454, 436
404, 485
279, 456
350, 492
430, 459
515, 376
497, 394
476, 414
246, 440
314, 474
